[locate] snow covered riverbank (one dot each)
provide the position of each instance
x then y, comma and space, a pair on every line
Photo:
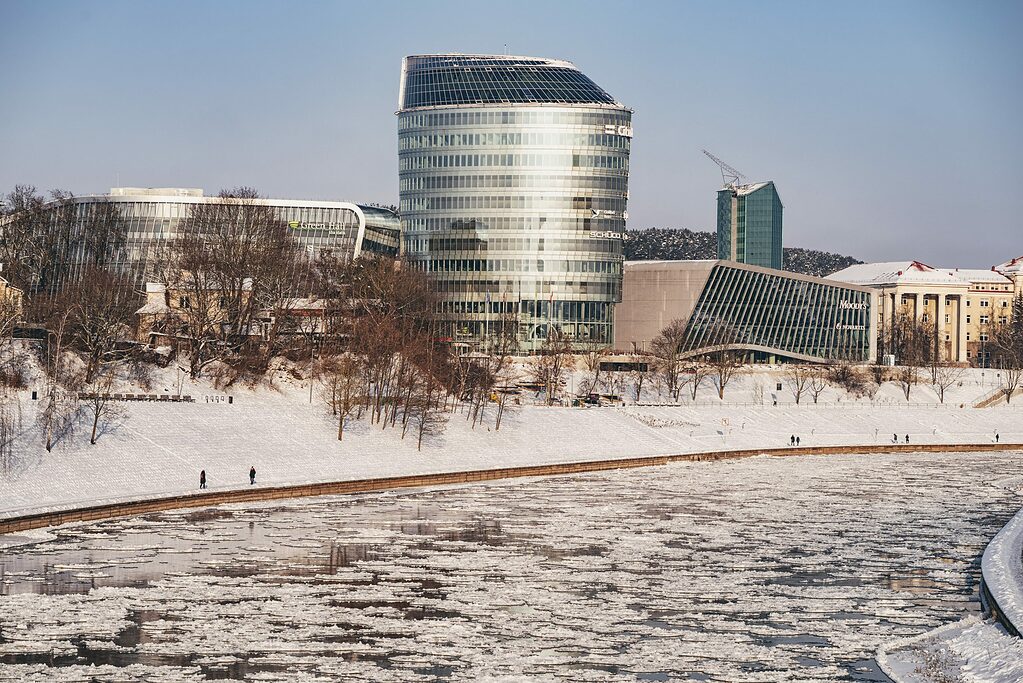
158, 448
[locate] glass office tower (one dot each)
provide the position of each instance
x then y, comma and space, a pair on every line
513, 183
749, 225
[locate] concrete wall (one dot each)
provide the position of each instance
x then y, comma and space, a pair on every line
653, 294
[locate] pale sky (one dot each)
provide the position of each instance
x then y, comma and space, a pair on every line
892, 129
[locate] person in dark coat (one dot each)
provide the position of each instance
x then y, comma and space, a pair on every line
907, 438
792, 440
202, 479
252, 475
797, 440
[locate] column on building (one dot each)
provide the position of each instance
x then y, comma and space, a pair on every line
961, 328
939, 326
918, 306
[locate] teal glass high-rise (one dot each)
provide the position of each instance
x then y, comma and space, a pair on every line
749, 225
513, 188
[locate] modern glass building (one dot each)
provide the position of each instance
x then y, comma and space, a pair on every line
763, 314
749, 224
513, 183
129, 229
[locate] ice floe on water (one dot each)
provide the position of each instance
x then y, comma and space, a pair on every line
796, 569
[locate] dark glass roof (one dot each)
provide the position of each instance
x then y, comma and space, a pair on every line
438, 80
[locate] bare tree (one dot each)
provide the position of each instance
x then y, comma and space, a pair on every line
549, 367
10, 427
818, 382
798, 379
343, 378
944, 376
98, 402
1007, 340
668, 351
907, 377
59, 411
102, 307
593, 359
696, 374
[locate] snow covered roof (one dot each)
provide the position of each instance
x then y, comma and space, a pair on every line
895, 272
155, 307
1012, 266
749, 189
979, 275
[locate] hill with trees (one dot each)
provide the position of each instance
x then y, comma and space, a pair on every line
670, 244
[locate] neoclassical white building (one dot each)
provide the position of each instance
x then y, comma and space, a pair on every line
965, 303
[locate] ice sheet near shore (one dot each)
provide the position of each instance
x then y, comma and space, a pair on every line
966, 651
158, 449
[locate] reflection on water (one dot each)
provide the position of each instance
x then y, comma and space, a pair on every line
762, 569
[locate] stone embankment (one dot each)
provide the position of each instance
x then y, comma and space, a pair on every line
129, 508
1002, 571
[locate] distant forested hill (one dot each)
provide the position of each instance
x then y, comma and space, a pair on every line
668, 244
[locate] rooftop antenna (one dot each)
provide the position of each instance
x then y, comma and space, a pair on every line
506, 49
729, 176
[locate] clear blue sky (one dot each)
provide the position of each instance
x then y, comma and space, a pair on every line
891, 128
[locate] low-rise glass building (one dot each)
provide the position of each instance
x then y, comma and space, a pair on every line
514, 183
764, 314
128, 229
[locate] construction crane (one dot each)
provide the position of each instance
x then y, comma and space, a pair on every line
729, 176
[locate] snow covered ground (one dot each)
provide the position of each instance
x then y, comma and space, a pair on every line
967, 651
159, 448
762, 569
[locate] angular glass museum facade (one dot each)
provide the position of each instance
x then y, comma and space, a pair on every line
774, 314
138, 224
750, 225
763, 314
513, 191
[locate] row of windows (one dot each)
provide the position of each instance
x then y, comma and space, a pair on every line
534, 331
533, 117
538, 139
513, 223
582, 246
487, 201
520, 266
589, 181
983, 303
609, 290
427, 161
588, 311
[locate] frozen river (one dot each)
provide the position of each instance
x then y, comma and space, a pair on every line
765, 569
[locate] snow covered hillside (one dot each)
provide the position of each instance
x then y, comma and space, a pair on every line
159, 448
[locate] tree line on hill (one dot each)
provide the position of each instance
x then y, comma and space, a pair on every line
653, 244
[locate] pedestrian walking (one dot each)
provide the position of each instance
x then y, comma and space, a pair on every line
792, 440
907, 438
202, 479
996, 437
797, 440
895, 438
252, 475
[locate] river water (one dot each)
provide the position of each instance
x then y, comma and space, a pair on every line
764, 569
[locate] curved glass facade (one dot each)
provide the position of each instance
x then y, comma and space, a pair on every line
138, 224
514, 185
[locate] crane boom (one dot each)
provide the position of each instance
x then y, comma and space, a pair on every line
729, 176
